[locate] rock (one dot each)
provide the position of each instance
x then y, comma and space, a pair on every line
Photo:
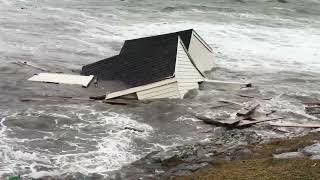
194, 167
289, 155
312, 150
315, 157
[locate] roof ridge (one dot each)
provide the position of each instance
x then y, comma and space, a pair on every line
159, 35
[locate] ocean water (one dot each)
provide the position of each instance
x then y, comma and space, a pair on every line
274, 44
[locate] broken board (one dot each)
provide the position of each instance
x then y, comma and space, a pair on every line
62, 78
246, 111
249, 123
219, 122
305, 125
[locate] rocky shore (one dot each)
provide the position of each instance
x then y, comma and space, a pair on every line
235, 155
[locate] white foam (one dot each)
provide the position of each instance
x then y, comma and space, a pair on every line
113, 150
244, 47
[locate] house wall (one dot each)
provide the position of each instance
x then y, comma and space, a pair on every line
165, 91
201, 53
186, 74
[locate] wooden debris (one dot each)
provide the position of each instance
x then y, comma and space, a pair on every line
230, 102
32, 65
116, 101
252, 97
102, 97
224, 85
246, 96
267, 98
306, 125
220, 106
249, 123
233, 83
271, 112
53, 98
219, 122
134, 129
248, 110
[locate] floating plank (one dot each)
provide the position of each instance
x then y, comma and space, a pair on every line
241, 84
54, 98
306, 125
62, 78
224, 85
249, 123
246, 111
32, 65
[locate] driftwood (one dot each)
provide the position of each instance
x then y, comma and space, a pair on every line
219, 122
249, 123
306, 125
248, 110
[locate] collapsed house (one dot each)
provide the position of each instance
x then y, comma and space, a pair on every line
163, 66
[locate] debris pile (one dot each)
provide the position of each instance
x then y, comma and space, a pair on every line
242, 118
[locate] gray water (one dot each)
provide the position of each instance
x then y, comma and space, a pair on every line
272, 44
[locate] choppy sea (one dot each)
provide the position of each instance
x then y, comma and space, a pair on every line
274, 44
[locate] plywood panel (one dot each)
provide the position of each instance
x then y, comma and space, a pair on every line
62, 78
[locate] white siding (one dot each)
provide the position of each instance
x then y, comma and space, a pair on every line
201, 54
141, 88
186, 74
164, 91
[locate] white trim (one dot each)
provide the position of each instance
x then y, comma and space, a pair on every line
202, 41
140, 88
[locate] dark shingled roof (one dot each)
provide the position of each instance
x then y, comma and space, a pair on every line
141, 61
141, 44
